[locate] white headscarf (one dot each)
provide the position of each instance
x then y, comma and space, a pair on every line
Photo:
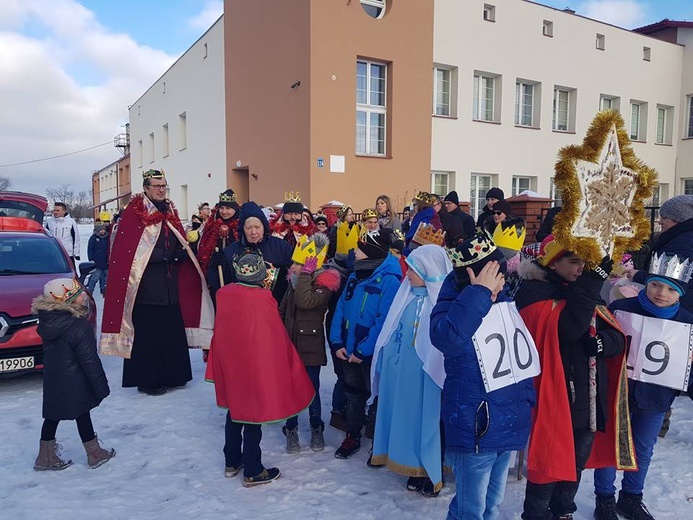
432, 264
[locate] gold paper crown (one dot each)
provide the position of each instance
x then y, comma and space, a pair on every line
105, 216
223, 197
68, 293
347, 237
478, 248
508, 237
341, 212
290, 196
427, 234
425, 197
671, 267
369, 213
315, 246
154, 174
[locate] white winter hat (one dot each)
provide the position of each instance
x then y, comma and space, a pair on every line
63, 289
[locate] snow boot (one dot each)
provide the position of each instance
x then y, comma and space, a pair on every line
338, 420
631, 506
49, 457
350, 446
317, 440
266, 476
429, 489
231, 471
416, 483
291, 435
96, 455
605, 508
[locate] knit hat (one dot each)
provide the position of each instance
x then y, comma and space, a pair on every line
250, 268
376, 244
550, 251
292, 203
321, 218
495, 193
228, 198
452, 197
63, 289
504, 206
475, 252
679, 208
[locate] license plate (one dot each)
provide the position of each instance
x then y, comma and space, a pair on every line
18, 363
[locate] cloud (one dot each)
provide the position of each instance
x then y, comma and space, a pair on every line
623, 13
212, 10
66, 85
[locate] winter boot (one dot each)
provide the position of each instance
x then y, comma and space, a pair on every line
415, 483
49, 457
292, 445
350, 446
429, 489
338, 420
96, 455
266, 476
232, 471
369, 462
631, 507
605, 508
317, 440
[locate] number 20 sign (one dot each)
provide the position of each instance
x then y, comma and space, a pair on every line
504, 348
660, 350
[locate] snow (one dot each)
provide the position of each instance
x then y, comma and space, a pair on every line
169, 464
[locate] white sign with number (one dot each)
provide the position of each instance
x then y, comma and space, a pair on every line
660, 350
504, 348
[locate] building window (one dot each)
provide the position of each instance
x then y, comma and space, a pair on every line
440, 182
564, 102
689, 133
646, 53
607, 102
151, 148
547, 28
480, 184
370, 107
486, 95
374, 8
555, 193
688, 186
526, 110
489, 13
164, 139
204, 51
638, 121
140, 153
442, 89
183, 131
521, 184
601, 41
665, 125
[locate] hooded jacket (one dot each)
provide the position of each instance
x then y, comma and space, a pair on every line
98, 249
65, 229
74, 381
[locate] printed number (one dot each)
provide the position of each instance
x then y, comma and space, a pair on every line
663, 360
497, 372
521, 365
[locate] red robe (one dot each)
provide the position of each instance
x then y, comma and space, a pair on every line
256, 370
551, 455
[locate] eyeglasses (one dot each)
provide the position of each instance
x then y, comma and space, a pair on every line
159, 186
497, 212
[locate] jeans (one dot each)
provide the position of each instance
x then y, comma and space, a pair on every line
357, 383
314, 408
100, 276
339, 402
645, 427
546, 501
480, 484
249, 436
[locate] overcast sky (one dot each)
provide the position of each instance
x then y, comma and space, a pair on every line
69, 69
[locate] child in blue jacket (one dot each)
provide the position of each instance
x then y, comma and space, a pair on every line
357, 322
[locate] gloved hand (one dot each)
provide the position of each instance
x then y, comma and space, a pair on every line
310, 266
593, 346
77, 258
351, 258
603, 270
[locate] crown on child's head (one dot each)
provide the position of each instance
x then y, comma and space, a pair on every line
512, 237
347, 237
671, 266
154, 174
315, 245
227, 197
369, 213
290, 196
471, 250
428, 234
425, 197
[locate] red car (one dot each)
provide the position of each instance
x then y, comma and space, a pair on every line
30, 256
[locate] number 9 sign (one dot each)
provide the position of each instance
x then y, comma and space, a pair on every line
504, 348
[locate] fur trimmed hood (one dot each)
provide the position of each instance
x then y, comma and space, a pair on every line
531, 270
49, 304
330, 279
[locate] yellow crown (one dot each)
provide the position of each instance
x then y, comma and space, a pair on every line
290, 196
104, 216
471, 251
508, 237
369, 213
315, 246
425, 197
347, 237
154, 174
427, 234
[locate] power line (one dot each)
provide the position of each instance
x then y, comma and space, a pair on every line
55, 156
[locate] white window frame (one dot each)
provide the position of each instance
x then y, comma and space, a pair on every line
182, 131
440, 108
689, 126
566, 96
140, 153
489, 14
547, 28
370, 109
479, 106
378, 4
614, 102
534, 107
555, 193
637, 127
152, 150
522, 179
477, 193
448, 187
687, 186
663, 123
164, 139
600, 42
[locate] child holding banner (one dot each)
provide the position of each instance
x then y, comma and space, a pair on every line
659, 365
482, 425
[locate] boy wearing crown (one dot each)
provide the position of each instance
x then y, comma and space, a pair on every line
292, 224
425, 213
303, 312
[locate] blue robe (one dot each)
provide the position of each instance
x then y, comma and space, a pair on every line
407, 428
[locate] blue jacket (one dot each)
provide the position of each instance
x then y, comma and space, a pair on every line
648, 397
97, 250
475, 421
361, 311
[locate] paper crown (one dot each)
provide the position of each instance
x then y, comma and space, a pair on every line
154, 174
249, 267
508, 238
63, 289
290, 196
671, 266
225, 197
104, 216
369, 213
471, 251
427, 234
341, 212
425, 197
315, 246
347, 237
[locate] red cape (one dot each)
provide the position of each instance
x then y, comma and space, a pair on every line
256, 370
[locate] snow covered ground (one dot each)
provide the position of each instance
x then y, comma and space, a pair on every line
169, 464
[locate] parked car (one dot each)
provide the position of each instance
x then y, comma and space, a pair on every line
30, 256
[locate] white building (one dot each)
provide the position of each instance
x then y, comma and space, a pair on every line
178, 125
106, 179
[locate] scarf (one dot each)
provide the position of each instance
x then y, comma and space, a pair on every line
658, 312
365, 268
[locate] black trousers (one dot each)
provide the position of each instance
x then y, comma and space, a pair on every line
357, 383
84, 427
243, 446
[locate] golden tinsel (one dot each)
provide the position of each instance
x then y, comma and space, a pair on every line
567, 181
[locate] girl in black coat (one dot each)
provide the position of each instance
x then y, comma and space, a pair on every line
74, 381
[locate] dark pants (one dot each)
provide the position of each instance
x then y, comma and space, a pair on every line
243, 446
314, 408
84, 427
357, 383
339, 401
547, 501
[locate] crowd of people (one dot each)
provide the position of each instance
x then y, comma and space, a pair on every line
453, 342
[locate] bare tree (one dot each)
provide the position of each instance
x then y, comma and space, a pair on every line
61, 194
4, 183
81, 206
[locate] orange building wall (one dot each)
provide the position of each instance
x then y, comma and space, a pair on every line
124, 180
